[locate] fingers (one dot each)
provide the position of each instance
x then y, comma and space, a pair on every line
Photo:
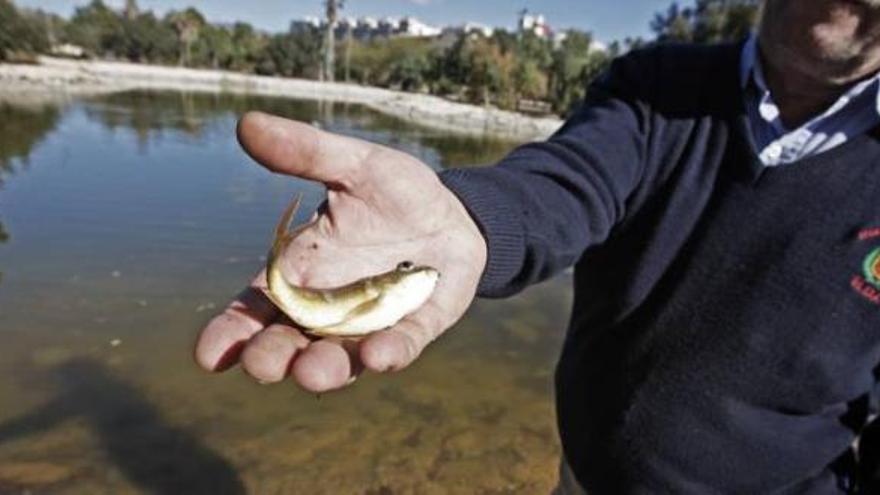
222, 340
270, 353
327, 365
331, 364
294, 148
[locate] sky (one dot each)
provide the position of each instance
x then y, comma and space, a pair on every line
609, 20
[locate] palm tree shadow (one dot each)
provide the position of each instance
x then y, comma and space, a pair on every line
155, 456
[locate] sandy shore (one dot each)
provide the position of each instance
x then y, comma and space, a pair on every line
90, 77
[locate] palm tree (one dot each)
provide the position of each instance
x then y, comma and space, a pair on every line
131, 10
187, 24
333, 8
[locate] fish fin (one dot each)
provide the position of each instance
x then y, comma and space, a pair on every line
360, 309
363, 308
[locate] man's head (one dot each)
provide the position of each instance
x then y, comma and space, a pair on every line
832, 42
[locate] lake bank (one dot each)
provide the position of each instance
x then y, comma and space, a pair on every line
97, 77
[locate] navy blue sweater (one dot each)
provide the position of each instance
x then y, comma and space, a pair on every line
726, 323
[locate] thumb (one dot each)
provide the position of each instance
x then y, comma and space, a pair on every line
293, 148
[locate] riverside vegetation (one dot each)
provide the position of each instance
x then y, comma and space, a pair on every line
501, 70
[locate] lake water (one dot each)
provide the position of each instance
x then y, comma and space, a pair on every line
127, 221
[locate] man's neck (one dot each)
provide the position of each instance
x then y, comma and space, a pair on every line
798, 97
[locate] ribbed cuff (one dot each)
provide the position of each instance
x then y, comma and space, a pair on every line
479, 191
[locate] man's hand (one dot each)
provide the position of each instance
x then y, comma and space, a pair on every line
383, 207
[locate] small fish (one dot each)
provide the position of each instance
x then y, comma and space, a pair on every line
357, 309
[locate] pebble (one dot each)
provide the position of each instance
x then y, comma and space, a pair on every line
204, 307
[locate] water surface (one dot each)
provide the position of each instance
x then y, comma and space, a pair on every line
127, 221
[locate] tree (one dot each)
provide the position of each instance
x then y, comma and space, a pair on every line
529, 80
392, 61
187, 23
575, 65
147, 39
96, 28
214, 47
333, 7
534, 60
673, 25
409, 71
718, 21
491, 74
248, 47
709, 21
20, 33
294, 54
131, 10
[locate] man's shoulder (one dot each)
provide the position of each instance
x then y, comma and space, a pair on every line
680, 76
686, 55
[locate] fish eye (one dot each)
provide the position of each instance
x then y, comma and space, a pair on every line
406, 266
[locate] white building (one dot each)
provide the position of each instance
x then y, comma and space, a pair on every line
535, 24
475, 27
410, 26
305, 25
366, 28
468, 28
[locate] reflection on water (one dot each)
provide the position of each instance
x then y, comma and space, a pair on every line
136, 218
22, 128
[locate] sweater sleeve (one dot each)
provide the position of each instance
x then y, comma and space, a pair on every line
547, 202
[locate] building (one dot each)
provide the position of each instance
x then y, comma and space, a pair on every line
410, 26
471, 28
535, 24
307, 25
367, 28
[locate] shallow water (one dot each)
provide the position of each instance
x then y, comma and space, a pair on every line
126, 221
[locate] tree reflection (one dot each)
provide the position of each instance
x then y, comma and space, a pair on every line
150, 114
22, 127
463, 151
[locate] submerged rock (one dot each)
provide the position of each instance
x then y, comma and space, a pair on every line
33, 474
48, 357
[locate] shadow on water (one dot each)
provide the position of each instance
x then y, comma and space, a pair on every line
153, 455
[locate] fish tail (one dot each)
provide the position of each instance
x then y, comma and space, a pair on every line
282, 230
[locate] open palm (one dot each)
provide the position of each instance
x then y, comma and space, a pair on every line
383, 207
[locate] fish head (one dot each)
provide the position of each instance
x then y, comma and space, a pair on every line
413, 275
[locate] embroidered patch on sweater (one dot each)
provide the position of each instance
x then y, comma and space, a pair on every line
872, 267
867, 283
